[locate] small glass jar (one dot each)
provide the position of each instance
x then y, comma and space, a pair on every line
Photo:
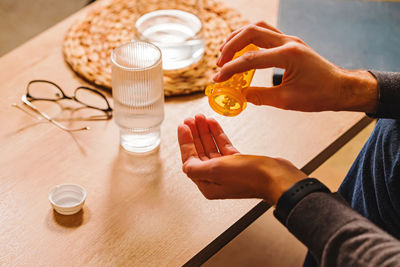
175, 26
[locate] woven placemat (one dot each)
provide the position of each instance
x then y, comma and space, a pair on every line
90, 40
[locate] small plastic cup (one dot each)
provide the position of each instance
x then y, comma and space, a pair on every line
67, 199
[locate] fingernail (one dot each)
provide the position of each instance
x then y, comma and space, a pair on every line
184, 168
216, 77
199, 115
219, 62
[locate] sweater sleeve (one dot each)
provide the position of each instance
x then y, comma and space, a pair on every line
389, 95
336, 235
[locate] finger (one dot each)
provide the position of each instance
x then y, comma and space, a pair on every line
259, 36
196, 138
262, 24
205, 135
186, 144
268, 26
224, 144
271, 96
265, 58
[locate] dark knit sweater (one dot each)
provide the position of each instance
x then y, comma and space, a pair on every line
334, 232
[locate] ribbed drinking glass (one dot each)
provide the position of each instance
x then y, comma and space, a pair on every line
137, 88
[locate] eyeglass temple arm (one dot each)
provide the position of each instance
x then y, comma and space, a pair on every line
15, 105
47, 117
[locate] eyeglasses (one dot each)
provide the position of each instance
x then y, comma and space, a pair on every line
48, 91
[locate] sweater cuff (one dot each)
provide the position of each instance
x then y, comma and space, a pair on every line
389, 95
317, 217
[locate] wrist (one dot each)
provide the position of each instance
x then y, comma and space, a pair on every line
295, 194
278, 175
359, 91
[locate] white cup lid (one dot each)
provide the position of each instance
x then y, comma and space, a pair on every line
67, 199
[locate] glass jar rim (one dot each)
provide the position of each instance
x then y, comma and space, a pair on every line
136, 42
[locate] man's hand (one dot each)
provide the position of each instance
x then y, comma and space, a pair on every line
220, 171
310, 82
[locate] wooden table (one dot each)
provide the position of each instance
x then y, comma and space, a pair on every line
140, 210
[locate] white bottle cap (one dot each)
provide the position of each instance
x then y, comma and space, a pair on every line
67, 199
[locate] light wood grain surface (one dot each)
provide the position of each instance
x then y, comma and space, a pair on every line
140, 210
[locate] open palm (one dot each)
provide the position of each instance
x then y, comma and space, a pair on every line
220, 171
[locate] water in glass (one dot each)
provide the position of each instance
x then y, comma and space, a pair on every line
137, 86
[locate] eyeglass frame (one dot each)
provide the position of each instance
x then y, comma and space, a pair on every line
64, 96
27, 98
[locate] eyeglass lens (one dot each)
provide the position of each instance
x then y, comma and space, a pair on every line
91, 98
44, 90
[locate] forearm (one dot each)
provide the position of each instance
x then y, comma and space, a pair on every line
375, 93
338, 236
359, 91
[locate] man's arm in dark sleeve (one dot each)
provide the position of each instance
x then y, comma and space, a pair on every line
389, 95
338, 236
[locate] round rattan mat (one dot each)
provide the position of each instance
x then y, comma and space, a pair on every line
90, 40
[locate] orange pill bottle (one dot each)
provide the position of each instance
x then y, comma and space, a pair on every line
227, 98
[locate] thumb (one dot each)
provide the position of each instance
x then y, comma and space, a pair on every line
270, 96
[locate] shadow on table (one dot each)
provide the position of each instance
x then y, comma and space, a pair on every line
60, 223
134, 175
135, 194
70, 221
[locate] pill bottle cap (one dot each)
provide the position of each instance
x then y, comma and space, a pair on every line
67, 199
226, 101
